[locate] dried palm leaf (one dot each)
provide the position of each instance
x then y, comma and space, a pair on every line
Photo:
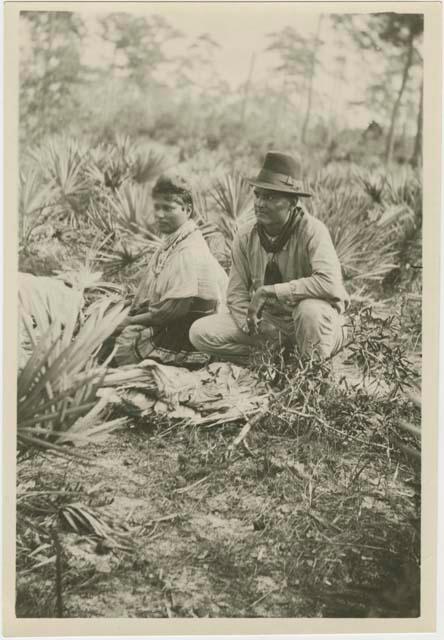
83, 520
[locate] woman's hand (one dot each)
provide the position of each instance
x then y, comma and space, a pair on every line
139, 318
125, 323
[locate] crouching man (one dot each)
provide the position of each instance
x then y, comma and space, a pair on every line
285, 282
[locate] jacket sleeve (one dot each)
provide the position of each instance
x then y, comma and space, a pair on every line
325, 281
239, 284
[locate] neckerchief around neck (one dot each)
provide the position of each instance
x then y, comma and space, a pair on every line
274, 246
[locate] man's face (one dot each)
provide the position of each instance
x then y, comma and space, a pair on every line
170, 212
271, 208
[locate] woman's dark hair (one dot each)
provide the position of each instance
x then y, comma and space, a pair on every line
173, 184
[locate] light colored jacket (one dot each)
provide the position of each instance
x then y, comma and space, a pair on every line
308, 263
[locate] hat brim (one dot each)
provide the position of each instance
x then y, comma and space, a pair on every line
279, 188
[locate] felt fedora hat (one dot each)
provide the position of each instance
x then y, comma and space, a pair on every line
280, 172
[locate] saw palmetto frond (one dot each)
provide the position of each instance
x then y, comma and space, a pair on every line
59, 381
235, 201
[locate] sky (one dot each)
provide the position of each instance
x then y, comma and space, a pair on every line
241, 29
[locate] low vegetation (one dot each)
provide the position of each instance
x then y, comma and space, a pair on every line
310, 507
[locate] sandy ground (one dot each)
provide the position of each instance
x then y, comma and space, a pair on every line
209, 537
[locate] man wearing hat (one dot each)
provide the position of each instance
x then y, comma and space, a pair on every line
285, 282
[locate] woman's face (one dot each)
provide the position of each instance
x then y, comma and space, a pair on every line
170, 212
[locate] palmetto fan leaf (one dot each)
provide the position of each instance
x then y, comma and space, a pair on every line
84, 278
364, 251
63, 160
202, 213
47, 301
146, 165
113, 174
109, 165
59, 381
373, 185
119, 258
34, 193
122, 145
235, 200
404, 188
233, 194
131, 207
102, 219
36, 199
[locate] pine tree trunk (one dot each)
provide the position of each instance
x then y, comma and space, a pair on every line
247, 89
417, 150
46, 77
311, 81
405, 74
275, 116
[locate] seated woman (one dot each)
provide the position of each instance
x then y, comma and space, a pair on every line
183, 282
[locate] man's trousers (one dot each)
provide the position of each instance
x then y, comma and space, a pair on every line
314, 326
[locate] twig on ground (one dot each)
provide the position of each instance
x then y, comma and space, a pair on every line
58, 572
410, 428
191, 486
48, 493
38, 565
248, 450
168, 608
415, 398
244, 432
323, 522
341, 433
253, 604
173, 516
129, 516
410, 451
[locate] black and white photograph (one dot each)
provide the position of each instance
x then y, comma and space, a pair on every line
220, 235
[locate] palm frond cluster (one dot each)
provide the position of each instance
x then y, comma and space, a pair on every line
369, 217
59, 378
99, 194
235, 201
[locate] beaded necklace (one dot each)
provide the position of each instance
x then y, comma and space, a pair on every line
162, 254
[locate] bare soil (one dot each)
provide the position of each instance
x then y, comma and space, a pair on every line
280, 529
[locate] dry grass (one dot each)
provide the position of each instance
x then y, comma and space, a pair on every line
315, 512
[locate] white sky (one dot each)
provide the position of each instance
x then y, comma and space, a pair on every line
241, 29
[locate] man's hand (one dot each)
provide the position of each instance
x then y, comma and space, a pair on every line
260, 297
